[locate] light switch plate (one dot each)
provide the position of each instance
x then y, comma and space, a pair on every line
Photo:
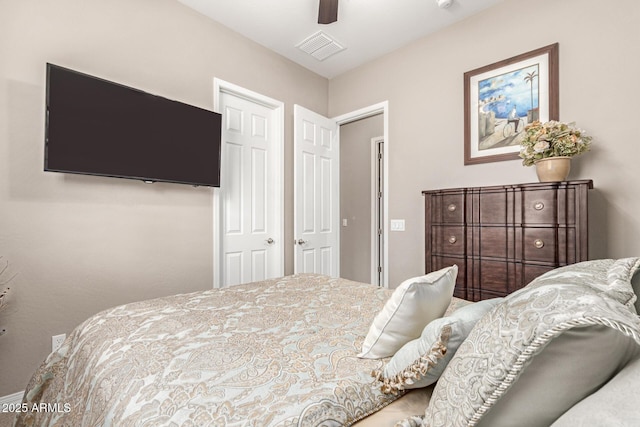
397, 225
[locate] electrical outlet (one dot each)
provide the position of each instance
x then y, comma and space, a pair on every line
57, 340
397, 225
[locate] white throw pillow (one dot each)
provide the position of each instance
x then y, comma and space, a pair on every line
420, 362
413, 304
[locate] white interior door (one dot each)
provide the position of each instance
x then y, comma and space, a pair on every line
316, 193
251, 199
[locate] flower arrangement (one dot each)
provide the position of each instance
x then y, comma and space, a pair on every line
552, 139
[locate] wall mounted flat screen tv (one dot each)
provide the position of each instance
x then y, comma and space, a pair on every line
97, 127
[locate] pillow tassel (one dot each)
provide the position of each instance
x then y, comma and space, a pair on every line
413, 421
419, 368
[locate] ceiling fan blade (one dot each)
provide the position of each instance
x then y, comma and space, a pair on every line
328, 11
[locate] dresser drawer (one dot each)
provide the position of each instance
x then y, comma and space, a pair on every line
493, 208
449, 208
493, 276
492, 241
539, 207
530, 272
540, 244
449, 240
452, 208
440, 262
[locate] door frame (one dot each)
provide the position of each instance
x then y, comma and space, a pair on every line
375, 214
363, 113
219, 87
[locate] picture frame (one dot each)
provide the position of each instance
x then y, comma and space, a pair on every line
501, 98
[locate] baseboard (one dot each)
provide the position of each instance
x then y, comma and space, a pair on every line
14, 399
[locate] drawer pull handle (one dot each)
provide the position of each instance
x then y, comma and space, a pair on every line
452, 207
452, 239
538, 243
538, 206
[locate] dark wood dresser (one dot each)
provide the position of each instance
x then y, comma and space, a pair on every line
502, 237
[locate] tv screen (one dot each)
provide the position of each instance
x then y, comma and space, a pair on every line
97, 127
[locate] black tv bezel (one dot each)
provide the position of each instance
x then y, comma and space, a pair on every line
147, 180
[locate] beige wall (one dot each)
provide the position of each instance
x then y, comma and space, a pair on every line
355, 196
81, 244
423, 83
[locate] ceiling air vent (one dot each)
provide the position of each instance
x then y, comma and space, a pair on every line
320, 46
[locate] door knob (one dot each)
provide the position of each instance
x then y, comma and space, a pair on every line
301, 242
270, 241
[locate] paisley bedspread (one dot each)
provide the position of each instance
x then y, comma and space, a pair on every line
280, 352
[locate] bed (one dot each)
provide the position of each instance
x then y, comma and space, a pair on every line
309, 350
280, 352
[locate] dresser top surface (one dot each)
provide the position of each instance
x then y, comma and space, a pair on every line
532, 185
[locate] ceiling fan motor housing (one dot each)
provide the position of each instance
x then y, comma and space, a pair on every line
327, 11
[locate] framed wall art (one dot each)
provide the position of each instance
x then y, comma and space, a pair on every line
500, 99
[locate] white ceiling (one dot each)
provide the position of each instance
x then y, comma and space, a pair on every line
367, 28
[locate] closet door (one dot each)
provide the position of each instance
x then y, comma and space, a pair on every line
251, 225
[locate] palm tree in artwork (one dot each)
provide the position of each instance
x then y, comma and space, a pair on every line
529, 79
